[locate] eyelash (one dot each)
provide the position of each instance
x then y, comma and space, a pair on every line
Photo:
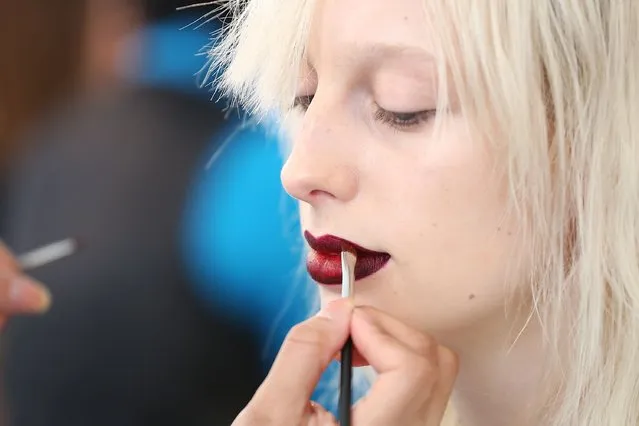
397, 120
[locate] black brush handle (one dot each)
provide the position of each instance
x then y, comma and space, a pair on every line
345, 388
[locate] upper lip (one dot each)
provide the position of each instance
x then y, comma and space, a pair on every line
331, 244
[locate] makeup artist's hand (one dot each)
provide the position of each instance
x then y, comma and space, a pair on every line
19, 294
415, 379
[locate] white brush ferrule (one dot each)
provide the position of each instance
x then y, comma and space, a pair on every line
348, 273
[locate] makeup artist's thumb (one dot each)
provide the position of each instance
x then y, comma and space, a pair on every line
20, 294
306, 352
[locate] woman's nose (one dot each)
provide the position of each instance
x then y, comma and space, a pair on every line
321, 165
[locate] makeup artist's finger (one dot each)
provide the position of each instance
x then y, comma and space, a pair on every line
392, 326
448, 370
357, 361
414, 340
20, 294
306, 352
8, 262
414, 378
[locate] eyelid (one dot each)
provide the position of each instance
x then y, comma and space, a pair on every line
394, 119
412, 119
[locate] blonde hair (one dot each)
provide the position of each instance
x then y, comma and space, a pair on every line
558, 81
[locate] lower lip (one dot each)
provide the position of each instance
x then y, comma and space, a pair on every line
326, 268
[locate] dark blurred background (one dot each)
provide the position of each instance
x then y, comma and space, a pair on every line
188, 274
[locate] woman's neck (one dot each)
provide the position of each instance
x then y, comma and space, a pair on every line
501, 379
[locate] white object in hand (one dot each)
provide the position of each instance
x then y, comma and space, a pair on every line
47, 254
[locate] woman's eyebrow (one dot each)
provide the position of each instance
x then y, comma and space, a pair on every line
372, 53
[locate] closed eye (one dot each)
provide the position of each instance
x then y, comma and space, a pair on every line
404, 120
396, 120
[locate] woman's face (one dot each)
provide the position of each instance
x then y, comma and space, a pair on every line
367, 168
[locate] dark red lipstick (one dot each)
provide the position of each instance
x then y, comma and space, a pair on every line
324, 263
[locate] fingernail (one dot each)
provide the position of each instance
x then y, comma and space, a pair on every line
337, 309
28, 294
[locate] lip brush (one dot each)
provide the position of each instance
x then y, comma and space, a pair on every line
346, 367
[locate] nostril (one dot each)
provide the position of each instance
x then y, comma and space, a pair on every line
317, 193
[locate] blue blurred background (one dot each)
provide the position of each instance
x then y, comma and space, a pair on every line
192, 272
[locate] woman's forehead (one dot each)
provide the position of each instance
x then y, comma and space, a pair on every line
368, 30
